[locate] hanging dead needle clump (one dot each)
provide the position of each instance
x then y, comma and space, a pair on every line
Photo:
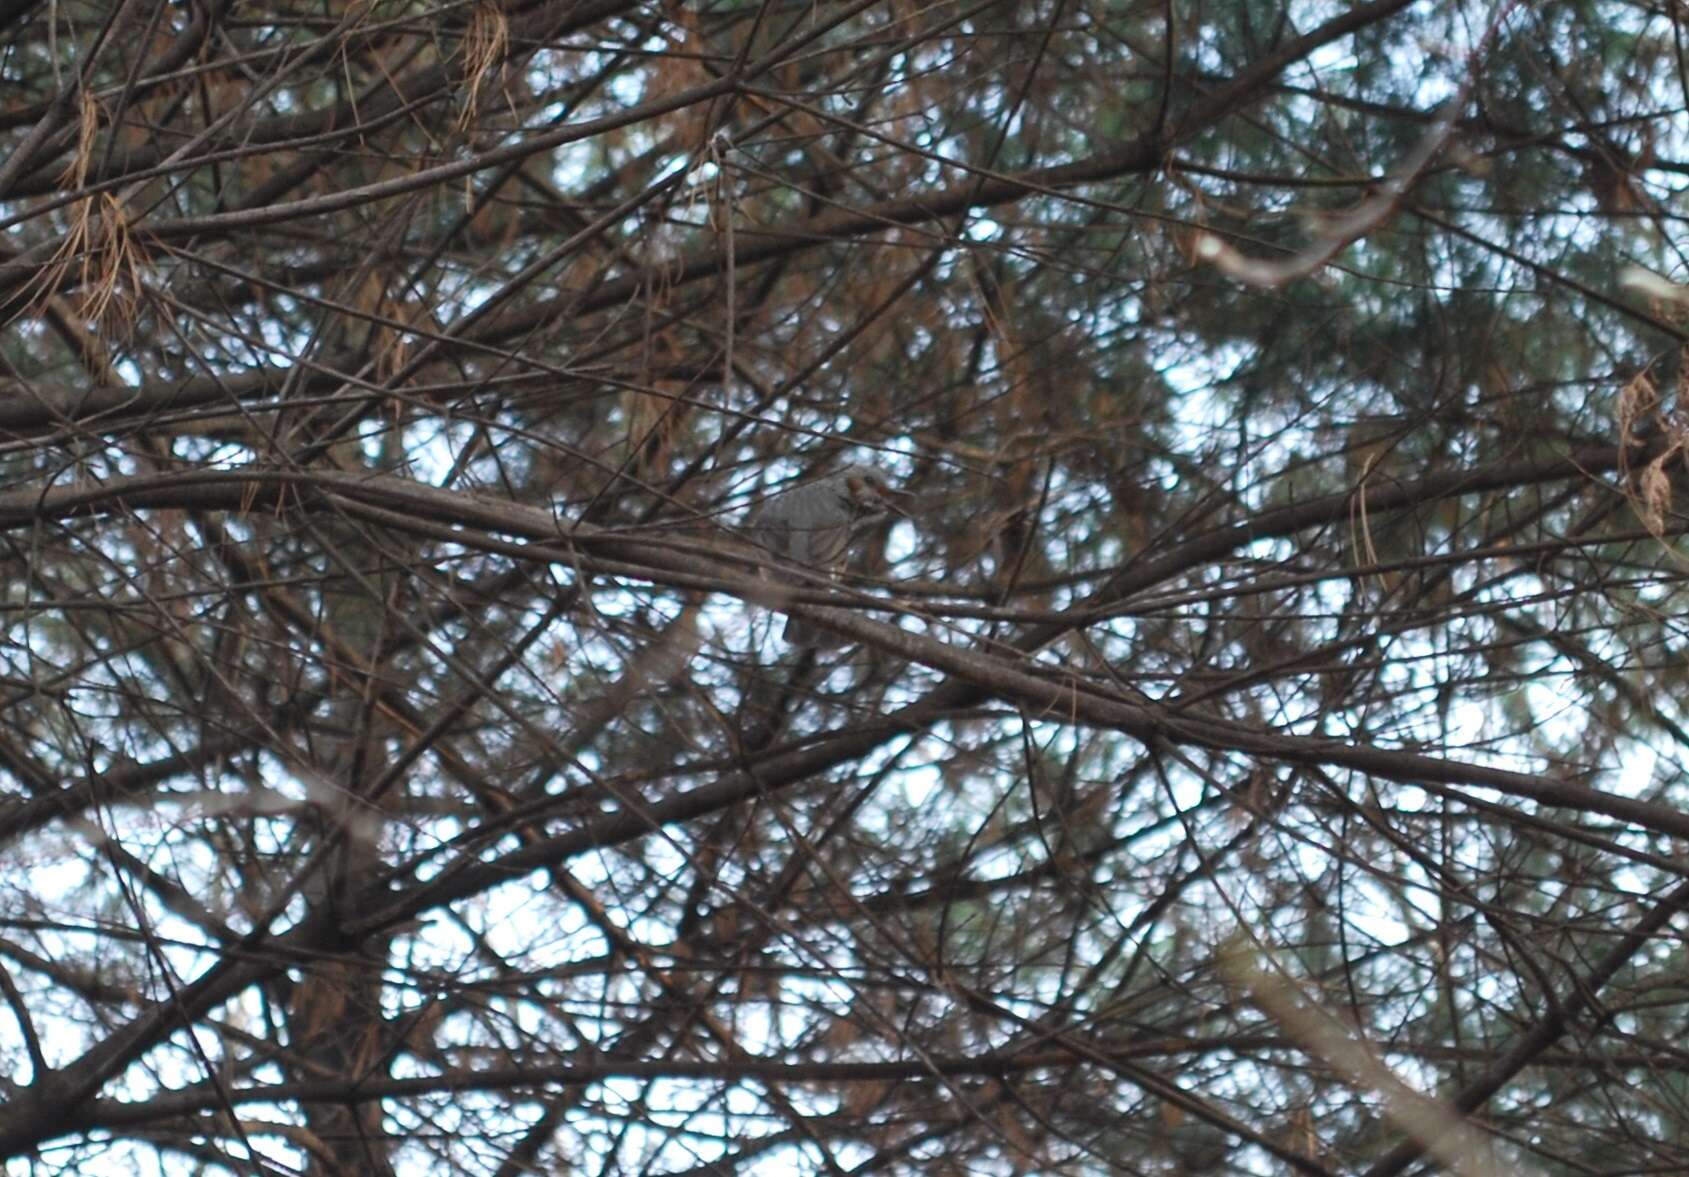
99, 242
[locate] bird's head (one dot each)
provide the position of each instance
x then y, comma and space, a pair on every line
868, 495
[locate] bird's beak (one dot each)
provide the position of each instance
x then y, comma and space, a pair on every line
890, 497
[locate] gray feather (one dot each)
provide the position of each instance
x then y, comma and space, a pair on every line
813, 525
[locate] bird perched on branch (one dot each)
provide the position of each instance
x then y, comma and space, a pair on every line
815, 524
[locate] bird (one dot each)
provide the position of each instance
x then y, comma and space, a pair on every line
814, 525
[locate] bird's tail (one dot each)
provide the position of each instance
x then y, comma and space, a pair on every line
801, 633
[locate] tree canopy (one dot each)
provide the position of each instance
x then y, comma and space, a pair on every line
1258, 750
